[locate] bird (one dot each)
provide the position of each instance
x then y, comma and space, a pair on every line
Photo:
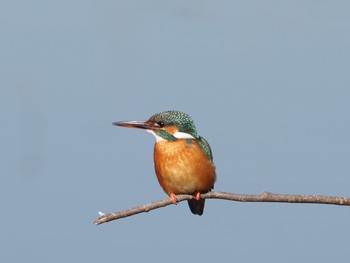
183, 159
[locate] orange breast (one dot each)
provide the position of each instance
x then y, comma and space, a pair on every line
182, 167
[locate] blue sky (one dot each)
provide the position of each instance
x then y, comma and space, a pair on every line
267, 84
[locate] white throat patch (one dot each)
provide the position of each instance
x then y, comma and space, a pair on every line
158, 138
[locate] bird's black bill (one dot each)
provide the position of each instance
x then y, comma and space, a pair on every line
135, 124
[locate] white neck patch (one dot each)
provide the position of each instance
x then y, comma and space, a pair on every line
183, 135
178, 135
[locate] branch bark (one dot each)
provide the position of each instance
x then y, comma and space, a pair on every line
263, 197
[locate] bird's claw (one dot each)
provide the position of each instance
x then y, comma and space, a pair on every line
173, 198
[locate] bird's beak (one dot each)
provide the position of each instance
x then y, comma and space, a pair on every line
136, 124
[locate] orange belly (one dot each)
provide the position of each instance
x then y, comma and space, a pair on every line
183, 168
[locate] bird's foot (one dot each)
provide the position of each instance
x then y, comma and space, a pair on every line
198, 196
173, 198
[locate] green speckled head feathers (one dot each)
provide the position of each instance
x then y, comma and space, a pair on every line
181, 120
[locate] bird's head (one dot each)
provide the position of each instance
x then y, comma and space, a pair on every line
166, 125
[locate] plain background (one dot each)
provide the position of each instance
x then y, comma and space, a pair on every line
266, 82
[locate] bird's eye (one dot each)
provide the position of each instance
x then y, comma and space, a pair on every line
161, 124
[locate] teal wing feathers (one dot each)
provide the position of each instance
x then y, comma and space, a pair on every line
205, 147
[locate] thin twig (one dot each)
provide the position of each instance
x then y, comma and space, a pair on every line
263, 197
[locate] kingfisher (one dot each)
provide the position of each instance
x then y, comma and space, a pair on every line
183, 159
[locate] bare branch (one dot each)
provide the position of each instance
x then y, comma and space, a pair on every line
263, 197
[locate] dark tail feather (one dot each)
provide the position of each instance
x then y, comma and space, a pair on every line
197, 207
